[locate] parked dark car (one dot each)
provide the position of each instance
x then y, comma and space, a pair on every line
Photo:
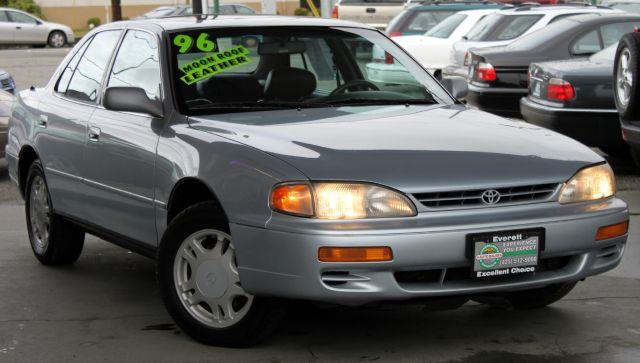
498, 76
418, 19
575, 97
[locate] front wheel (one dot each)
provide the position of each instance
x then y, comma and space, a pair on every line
199, 282
57, 39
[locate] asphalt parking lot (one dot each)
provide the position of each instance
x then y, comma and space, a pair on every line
106, 307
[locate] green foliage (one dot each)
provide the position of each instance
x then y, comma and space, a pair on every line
302, 12
26, 5
93, 21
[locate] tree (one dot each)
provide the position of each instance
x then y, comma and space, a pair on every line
116, 10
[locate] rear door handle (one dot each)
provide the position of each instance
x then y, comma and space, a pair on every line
94, 133
42, 121
18, 27
371, 10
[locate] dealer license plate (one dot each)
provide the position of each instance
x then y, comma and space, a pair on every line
504, 254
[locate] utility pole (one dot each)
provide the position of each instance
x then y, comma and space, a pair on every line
116, 10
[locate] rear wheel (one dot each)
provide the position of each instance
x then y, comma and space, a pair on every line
200, 285
54, 241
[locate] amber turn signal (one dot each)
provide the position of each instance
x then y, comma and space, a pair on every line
612, 231
292, 199
355, 254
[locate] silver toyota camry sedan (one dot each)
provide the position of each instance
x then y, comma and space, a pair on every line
261, 171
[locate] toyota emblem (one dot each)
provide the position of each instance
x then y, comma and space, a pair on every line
490, 197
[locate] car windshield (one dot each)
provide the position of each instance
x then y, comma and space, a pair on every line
423, 21
238, 69
447, 26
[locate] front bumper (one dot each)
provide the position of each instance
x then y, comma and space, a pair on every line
502, 101
593, 127
429, 261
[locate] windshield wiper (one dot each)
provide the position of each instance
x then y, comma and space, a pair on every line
366, 101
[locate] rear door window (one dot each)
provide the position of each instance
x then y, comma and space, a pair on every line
21, 18
3, 17
87, 78
63, 82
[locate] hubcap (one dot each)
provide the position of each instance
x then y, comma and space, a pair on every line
57, 40
624, 78
39, 214
207, 281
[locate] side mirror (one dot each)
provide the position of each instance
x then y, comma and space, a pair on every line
456, 85
131, 99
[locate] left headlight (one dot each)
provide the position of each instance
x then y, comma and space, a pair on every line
592, 183
327, 200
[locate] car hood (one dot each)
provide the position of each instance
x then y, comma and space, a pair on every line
413, 149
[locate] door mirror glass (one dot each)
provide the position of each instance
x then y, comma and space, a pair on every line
457, 86
131, 99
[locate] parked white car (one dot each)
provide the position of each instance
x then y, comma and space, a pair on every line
505, 26
431, 50
19, 27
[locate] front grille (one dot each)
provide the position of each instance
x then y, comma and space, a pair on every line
473, 198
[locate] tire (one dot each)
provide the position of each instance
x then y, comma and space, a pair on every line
626, 66
529, 299
195, 255
635, 155
57, 39
54, 240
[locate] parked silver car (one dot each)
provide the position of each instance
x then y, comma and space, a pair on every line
19, 27
281, 170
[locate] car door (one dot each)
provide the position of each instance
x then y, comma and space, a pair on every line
120, 153
63, 119
7, 28
27, 29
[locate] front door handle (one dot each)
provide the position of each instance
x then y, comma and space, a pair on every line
371, 10
42, 121
18, 27
94, 133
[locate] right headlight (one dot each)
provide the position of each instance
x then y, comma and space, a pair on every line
592, 183
329, 200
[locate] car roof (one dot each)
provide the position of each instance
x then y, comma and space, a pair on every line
556, 9
435, 6
232, 21
598, 17
477, 11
